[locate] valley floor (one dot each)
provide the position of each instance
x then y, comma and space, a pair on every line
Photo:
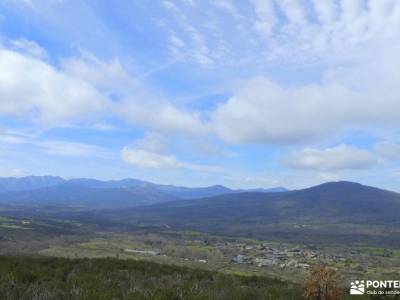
289, 262
220, 264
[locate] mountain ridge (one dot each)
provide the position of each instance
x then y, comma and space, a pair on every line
128, 192
344, 212
333, 202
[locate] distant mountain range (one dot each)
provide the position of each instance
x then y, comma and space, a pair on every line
98, 194
17, 184
337, 211
334, 201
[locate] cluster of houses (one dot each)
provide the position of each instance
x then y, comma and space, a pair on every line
259, 255
280, 256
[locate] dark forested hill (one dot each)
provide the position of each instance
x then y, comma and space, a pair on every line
335, 201
327, 211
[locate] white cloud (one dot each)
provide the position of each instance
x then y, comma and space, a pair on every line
156, 160
203, 168
53, 147
29, 47
355, 47
388, 150
352, 97
228, 6
188, 42
261, 111
103, 127
8, 137
152, 142
352, 39
336, 158
32, 89
329, 177
14, 172
176, 42
266, 17
66, 148
254, 181
212, 150
109, 77
344, 29
161, 116
326, 11
284, 32
169, 5
136, 104
147, 159
289, 32
293, 11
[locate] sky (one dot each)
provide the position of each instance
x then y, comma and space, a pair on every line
246, 93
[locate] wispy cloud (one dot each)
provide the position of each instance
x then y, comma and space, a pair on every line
66, 148
29, 47
340, 157
154, 160
388, 151
265, 80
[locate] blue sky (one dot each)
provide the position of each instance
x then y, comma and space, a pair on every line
252, 93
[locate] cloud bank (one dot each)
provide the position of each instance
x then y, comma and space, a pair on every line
341, 157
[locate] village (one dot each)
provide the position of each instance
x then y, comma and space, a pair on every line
266, 255
258, 255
